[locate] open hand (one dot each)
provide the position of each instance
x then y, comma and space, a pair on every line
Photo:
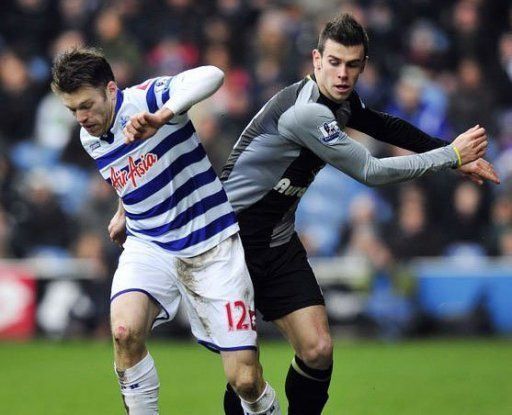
478, 171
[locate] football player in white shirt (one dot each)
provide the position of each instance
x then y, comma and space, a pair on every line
178, 230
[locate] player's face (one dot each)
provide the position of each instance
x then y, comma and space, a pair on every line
338, 68
92, 107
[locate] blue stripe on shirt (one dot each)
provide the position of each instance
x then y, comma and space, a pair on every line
151, 97
179, 194
165, 177
199, 208
171, 140
200, 235
165, 95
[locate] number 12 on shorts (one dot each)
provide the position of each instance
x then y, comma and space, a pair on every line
239, 316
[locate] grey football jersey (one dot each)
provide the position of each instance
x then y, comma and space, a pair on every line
285, 145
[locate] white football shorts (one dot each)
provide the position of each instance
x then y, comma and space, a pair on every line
215, 287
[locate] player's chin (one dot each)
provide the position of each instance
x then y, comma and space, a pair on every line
340, 96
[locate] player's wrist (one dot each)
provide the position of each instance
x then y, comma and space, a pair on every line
459, 158
164, 115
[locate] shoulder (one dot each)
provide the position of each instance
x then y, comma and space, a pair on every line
311, 113
151, 93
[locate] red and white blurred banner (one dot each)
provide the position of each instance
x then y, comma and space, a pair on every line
17, 303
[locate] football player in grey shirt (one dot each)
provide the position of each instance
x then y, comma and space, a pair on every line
290, 139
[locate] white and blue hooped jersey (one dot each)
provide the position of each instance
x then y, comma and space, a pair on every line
169, 190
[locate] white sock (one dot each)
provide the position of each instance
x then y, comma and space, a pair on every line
266, 404
139, 386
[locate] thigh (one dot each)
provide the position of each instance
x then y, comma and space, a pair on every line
283, 280
305, 327
143, 268
218, 297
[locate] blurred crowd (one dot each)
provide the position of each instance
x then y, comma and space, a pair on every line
443, 65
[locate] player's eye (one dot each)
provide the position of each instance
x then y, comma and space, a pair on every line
334, 63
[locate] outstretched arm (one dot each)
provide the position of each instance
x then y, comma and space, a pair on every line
313, 126
188, 88
394, 130
390, 129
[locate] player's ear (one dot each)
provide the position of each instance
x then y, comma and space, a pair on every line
363, 65
317, 59
111, 89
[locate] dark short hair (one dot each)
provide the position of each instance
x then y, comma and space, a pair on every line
80, 67
346, 30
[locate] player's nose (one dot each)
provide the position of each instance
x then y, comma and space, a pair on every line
342, 72
81, 117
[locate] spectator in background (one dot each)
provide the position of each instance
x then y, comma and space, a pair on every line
37, 219
505, 243
472, 101
172, 56
98, 206
500, 222
468, 36
502, 71
90, 312
427, 46
116, 43
468, 221
362, 220
19, 95
384, 32
372, 87
29, 26
411, 234
8, 184
54, 123
77, 15
272, 51
409, 104
5, 234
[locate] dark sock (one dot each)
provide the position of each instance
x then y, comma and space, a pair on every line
307, 396
232, 405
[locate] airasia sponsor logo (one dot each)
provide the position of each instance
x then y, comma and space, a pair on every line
136, 169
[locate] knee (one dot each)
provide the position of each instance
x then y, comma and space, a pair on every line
318, 354
245, 380
127, 337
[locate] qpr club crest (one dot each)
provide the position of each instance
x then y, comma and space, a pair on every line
124, 121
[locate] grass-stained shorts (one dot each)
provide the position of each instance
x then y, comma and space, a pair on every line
214, 286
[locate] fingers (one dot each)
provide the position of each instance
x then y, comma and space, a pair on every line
478, 133
481, 170
486, 171
135, 128
130, 133
475, 179
481, 148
